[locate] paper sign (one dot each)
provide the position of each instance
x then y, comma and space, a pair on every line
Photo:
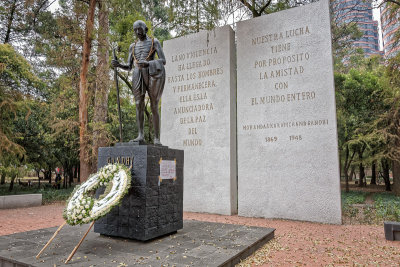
167, 169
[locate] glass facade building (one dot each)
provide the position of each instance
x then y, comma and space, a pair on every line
390, 26
360, 12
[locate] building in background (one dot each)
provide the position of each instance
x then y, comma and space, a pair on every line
360, 12
390, 26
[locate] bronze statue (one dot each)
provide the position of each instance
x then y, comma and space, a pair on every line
148, 75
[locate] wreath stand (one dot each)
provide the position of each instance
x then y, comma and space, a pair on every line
76, 247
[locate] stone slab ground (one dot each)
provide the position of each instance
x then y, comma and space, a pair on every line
295, 243
197, 244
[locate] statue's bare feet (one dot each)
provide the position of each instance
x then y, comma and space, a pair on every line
157, 141
139, 138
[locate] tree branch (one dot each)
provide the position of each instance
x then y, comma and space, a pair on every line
265, 6
246, 4
85, 1
392, 1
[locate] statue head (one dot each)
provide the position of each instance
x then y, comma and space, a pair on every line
140, 29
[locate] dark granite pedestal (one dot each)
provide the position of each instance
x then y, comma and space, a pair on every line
153, 206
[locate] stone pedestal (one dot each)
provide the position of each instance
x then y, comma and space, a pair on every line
154, 206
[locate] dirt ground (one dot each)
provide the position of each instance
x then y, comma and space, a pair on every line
380, 188
295, 243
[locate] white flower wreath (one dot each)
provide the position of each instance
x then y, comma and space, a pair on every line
83, 208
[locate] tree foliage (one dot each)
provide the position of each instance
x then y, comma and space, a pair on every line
17, 82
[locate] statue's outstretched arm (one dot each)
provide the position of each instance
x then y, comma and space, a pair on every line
130, 60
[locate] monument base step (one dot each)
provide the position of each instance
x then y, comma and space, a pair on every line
197, 244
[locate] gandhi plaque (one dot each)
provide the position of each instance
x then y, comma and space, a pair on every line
198, 115
167, 169
287, 137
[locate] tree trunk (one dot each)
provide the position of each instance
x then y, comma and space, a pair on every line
197, 16
11, 184
38, 177
83, 95
253, 7
396, 177
386, 178
3, 178
102, 84
79, 173
373, 177
10, 21
361, 168
352, 171
76, 174
346, 168
362, 175
71, 176
347, 163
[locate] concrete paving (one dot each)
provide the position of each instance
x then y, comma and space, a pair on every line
197, 244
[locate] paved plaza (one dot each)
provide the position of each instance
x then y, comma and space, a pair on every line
197, 244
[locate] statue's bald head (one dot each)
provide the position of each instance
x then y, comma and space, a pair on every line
141, 24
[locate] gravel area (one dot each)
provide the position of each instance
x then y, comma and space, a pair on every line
295, 244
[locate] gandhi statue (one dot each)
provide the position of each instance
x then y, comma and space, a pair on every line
148, 75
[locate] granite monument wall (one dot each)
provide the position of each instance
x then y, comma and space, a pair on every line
287, 138
287, 151
198, 113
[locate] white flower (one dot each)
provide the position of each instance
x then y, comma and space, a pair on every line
86, 206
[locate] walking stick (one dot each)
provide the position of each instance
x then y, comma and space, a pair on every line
51, 239
118, 102
80, 242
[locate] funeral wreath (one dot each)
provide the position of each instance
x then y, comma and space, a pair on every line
82, 207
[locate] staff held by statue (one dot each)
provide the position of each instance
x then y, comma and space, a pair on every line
118, 101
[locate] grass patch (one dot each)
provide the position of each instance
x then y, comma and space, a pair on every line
387, 206
353, 197
350, 198
48, 194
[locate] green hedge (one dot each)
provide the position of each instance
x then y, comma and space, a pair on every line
48, 194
